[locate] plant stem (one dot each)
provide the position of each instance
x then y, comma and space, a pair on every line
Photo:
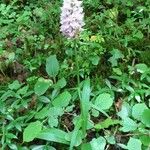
77, 63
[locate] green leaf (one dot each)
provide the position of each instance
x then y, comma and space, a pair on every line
98, 144
62, 100
42, 147
104, 101
128, 125
47, 112
106, 124
95, 60
145, 139
75, 134
110, 139
42, 113
23, 90
31, 131
53, 135
15, 85
85, 104
42, 85
60, 83
117, 71
134, 144
141, 68
52, 121
137, 110
125, 110
86, 146
52, 66
145, 118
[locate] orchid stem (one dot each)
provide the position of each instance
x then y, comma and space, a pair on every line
77, 63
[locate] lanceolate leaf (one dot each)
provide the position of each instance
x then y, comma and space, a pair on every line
53, 135
85, 104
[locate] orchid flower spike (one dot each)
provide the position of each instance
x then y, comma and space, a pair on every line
72, 18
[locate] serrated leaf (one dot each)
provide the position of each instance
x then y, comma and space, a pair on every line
42, 85
31, 131
98, 144
62, 100
52, 66
134, 144
145, 118
104, 101
137, 110
128, 125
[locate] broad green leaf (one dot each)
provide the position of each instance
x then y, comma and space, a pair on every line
15, 85
128, 125
86, 146
53, 135
31, 131
52, 66
42, 85
49, 112
42, 113
145, 118
52, 121
137, 110
116, 54
106, 123
123, 146
134, 144
42, 147
100, 110
95, 60
141, 68
145, 139
44, 99
125, 111
7, 94
104, 101
62, 100
110, 139
85, 104
98, 144
56, 111
75, 134
23, 90
60, 83
117, 71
